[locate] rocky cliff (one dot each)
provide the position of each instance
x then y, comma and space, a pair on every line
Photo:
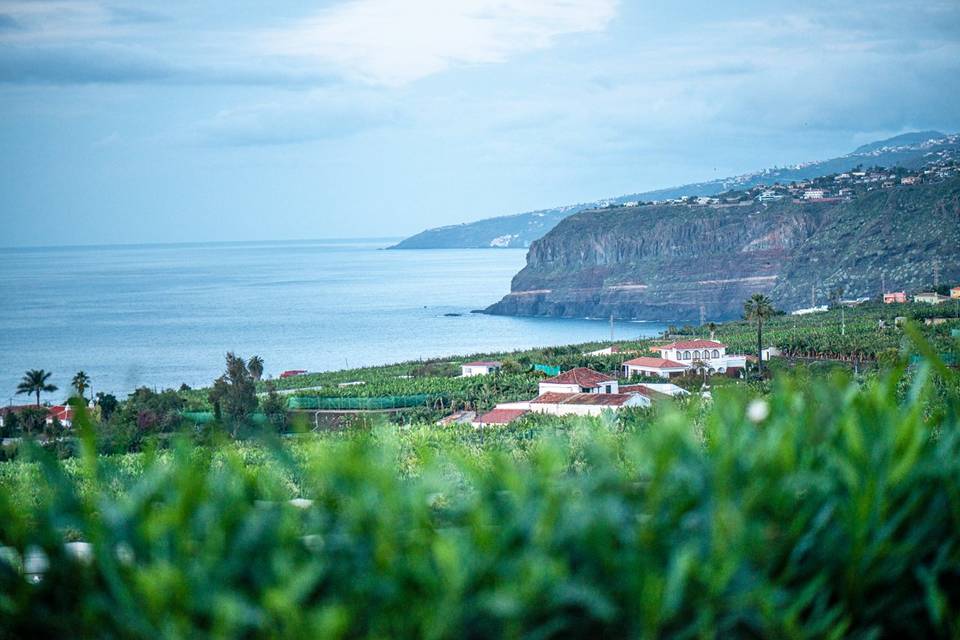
663, 262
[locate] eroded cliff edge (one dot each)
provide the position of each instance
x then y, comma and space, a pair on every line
662, 262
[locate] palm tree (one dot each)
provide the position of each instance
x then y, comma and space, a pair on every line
712, 326
255, 367
80, 382
758, 307
35, 381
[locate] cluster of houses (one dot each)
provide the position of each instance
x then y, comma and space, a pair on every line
57, 413
585, 392
833, 188
927, 297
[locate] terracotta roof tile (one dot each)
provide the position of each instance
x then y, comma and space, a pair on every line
581, 376
656, 363
501, 416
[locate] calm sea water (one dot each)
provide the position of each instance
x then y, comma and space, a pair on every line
162, 315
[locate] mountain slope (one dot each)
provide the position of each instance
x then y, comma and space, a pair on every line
520, 230
663, 262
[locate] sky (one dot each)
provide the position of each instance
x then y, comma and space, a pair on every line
128, 121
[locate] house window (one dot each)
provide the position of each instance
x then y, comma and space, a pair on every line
686, 355
716, 354
696, 355
609, 389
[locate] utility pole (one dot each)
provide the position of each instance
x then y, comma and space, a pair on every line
703, 315
883, 282
843, 320
813, 296
936, 274
611, 327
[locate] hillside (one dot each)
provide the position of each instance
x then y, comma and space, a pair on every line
663, 262
909, 150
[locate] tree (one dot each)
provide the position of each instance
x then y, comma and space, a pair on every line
234, 394
836, 295
33, 420
80, 382
757, 308
712, 326
255, 367
35, 381
274, 407
108, 404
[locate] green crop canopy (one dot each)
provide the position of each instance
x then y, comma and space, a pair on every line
317, 403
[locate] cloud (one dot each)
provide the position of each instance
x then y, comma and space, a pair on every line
77, 63
133, 15
8, 23
317, 116
394, 42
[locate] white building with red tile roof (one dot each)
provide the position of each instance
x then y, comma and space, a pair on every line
654, 368
580, 380
586, 404
678, 357
479, 368
499, 416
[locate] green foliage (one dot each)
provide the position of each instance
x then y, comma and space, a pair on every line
81, 381
822, 510
274, 408
234, 394
35, 381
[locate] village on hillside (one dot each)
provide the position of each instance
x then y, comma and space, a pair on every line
942, 165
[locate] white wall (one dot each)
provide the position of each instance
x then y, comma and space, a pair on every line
551, 387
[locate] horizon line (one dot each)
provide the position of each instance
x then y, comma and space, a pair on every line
195, 243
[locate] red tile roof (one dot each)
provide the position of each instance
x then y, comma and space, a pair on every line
597, 399
692, 344
580, 376
61, 413
655, 363
16, 408
482, 363
292, 373
501, 416
644, 391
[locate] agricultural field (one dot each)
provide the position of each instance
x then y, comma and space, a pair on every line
823, 506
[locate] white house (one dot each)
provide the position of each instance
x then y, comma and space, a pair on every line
931, 297
586, 404
814, 194
653, 367
679, 357
580, 380
479, 368
655, 390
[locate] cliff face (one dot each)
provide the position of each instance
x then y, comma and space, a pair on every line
664, 262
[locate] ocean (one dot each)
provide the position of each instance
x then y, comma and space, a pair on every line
162, 315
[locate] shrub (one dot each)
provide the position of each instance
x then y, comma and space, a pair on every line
820, 510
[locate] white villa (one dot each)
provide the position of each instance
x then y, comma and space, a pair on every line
679, 357
470, 369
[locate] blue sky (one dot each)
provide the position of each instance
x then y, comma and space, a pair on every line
145, 121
